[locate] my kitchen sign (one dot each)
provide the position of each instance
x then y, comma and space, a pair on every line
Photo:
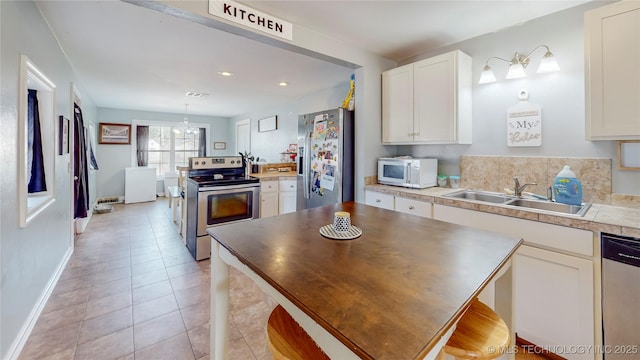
524, 123
254, 19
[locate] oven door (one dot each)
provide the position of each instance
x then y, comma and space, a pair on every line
224, 204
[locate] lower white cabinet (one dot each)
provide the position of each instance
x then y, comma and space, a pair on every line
553, 295
397, 203
277, 197
287, 197
552, 280
413, 207
380, 200
268, 198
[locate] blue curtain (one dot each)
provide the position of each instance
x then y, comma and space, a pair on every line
35, 158
80, 169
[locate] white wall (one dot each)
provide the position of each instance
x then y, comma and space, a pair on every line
113, 159
31, 257
269, 145
561, 96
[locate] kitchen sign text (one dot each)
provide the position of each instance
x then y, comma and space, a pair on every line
254, 19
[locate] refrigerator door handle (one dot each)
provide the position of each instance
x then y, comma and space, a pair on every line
306, 166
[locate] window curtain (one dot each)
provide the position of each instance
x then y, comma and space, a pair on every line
80, 169
93, 163
202, 142
142, 140
35, 159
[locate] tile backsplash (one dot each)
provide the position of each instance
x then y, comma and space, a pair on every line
494, 173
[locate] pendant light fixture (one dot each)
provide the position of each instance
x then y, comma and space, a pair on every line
186, 127
517, 65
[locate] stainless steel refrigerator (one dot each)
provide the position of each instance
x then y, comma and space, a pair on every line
325, 158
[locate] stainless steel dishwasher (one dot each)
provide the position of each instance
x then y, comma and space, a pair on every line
621, 297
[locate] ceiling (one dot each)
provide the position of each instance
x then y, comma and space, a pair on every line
132, 57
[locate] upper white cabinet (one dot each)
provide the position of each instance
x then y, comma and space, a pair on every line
428, 102
612, 74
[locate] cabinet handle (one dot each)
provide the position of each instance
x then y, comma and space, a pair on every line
291, 186
377, 200
411, 207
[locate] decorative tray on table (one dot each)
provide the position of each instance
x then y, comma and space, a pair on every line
328, 232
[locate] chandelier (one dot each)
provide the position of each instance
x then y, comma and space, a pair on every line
186, 127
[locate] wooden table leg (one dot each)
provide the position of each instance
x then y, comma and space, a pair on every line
219, 338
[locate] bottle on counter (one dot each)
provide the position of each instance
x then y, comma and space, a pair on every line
567, 189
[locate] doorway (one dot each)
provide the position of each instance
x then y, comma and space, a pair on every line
243, 136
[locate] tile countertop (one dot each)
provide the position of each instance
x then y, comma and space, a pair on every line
599, 218
274, 175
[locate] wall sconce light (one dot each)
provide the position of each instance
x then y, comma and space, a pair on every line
517, 65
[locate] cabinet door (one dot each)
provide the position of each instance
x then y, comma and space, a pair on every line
397, 105
413, 207
268, 204
612, 47
380, 200
553, 300
287, 202
434, 99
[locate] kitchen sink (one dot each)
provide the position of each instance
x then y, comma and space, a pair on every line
579, 210
485, 196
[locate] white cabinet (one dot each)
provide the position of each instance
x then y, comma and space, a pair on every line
397, 203
139, 184
277, 196
554, 299
268, 198
380, 200
397, 105
287, 196
428, 102
413, 207
612, 74
553, 278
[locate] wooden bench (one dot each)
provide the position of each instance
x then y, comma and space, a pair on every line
288, 341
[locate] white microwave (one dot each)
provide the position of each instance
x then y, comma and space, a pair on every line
408, 172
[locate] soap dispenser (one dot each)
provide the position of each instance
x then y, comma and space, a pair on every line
567, 189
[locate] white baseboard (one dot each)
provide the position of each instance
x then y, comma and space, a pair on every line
27, 327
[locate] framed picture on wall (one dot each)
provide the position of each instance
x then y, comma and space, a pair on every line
63, 135
268, 124
219, 145
114, 134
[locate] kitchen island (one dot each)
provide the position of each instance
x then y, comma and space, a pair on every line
395, 292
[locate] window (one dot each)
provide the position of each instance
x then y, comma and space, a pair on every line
166, 146
36, 177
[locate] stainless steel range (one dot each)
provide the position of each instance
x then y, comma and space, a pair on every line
218, 192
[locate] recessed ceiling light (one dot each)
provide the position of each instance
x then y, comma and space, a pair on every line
283, 84
225, 73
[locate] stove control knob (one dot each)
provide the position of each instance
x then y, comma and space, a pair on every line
233, 161
195, 163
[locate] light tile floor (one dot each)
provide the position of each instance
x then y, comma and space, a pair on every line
131, 290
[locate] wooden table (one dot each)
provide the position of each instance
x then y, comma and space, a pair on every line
393, 293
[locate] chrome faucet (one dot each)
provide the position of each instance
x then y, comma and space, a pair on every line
519, 189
